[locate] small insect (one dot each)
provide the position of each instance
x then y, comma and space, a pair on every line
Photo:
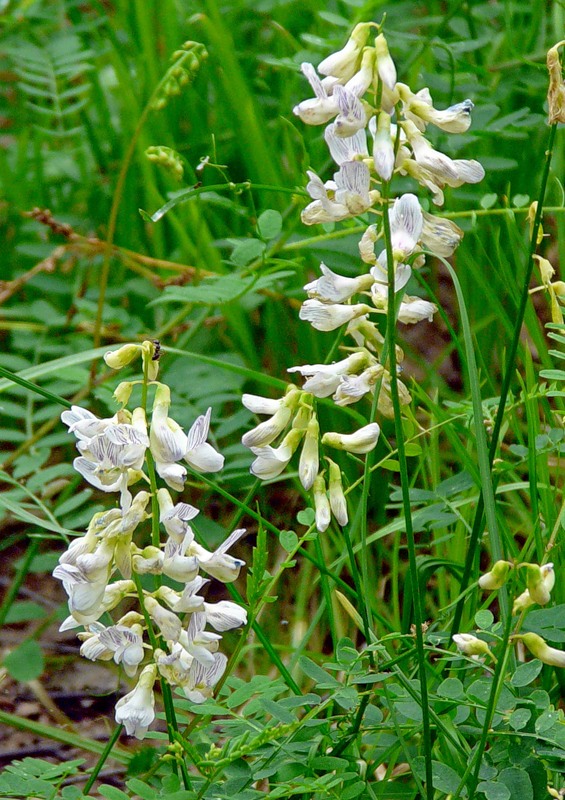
157, 354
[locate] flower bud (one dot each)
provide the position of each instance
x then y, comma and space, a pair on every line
123, 391
540, 649
540, 581
321, 504
309, 459
471, 645
556, 92
150, 352
496, 577
385, 64
362, 441
343, 63
116, 359
338, 503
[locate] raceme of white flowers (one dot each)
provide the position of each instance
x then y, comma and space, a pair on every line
101, 570
375, 129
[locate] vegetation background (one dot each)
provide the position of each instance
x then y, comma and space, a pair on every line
87, 88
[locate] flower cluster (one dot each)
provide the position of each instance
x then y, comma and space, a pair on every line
170, 634
540, 581
359, 100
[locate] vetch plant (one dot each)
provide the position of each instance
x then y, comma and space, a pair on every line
168, 635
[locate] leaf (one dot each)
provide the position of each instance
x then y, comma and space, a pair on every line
288, 540
518, 782
269, 224
220, 289
24, 611
306, 516
112, 793
526, 673
247, 251
494, 790
451, 688
484, 619
548, 623
322, 679
519, 719
25, 663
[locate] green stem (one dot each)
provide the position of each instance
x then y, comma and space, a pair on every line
509, 371
102, 760
405, 486
18, 580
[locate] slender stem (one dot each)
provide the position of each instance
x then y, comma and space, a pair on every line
18, 580
509, 372
405, 486
102, 760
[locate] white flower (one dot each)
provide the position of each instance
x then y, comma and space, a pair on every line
342, 64
116, 359
325, 317
406, 222
124, 644
334, 288
167, 621
360, 82
496, 577
379, 273
200, 455
351, 195
176, 564
168, 442
447, 170
175, 518
225, 615
362, 441
202, 679
540, 581
137, 709
261, 405
351, 117
440, 235
220, 564
199, 643
266, 432
346, 148
319, 109
324, 378
190, 601
353, 387
271, 461
419, 109
411, 309
540, 649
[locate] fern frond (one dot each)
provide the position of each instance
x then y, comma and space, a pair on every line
51, 77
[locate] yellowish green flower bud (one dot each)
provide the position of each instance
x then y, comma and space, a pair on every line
123, 391
117, 359
540, 649
350, 609
471, 645
166, 157
538, 587
556, 92
150, 352
496, 577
